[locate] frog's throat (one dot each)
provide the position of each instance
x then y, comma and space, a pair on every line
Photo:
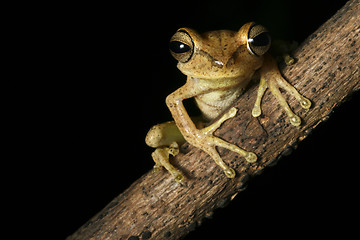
215, 103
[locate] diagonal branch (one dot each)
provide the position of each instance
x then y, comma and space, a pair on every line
156, 207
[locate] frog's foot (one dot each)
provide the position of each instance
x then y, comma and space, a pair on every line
274, 81
161, 159
282, 49
211, 142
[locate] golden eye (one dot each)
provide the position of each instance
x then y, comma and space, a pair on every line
259, 40
181, 46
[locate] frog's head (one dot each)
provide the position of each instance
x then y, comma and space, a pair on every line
220, 54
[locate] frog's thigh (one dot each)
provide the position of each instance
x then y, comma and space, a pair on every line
164, 134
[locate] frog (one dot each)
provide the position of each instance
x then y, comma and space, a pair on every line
219, 66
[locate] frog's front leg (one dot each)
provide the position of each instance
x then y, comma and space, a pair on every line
270, 77
203, 138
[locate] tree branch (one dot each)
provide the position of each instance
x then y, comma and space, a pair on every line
156, 207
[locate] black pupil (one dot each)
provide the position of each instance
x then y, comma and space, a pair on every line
178, 47
263, 39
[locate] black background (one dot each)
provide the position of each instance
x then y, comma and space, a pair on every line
108, 73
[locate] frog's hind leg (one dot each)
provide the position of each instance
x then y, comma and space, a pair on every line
161, 159
166, 138
271, 78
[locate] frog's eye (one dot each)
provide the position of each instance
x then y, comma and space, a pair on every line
259, 40
181, 46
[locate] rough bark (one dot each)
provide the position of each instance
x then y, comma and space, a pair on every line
156, 207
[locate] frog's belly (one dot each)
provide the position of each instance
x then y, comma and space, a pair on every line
214, 103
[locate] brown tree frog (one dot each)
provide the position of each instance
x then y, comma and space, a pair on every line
218, 65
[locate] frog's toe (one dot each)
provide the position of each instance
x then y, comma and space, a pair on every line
305, 103
288, 59
178, 177
295, 120
232, 112
256, 112
156, 168
251, 157
229, 172
174, 149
